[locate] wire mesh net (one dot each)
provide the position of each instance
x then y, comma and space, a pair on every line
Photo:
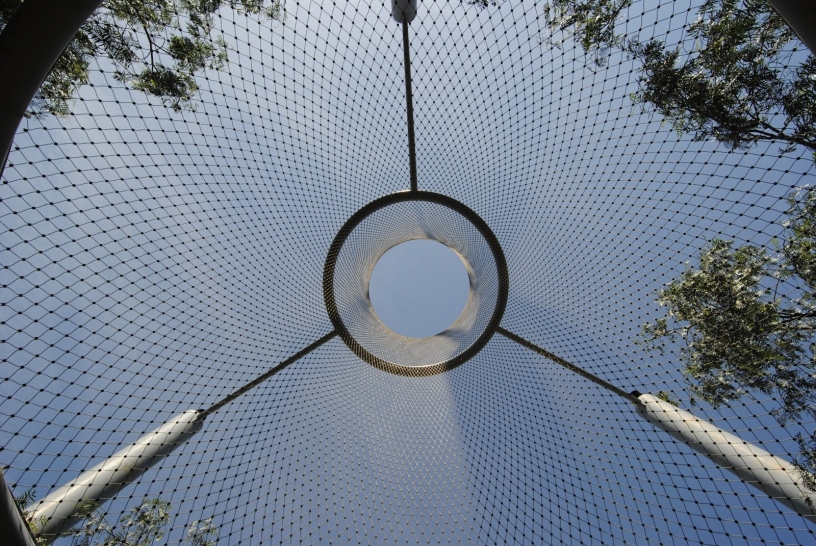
155, 261
383, 225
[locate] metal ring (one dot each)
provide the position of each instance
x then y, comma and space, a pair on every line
334, 313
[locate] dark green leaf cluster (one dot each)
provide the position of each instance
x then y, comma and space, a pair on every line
740, 85
806, 462
743, 81
159, 47
34, 525
667, 397
482, 3
142, 526
740, 334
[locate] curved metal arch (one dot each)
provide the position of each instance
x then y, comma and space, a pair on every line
30, 44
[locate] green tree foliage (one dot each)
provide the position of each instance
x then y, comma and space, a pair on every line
482, 3
590, 22
156, 46
667, 397
23, 501
746, 319
743, 81
142, 526
202, 533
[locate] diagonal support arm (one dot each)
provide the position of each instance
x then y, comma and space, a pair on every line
772, 475
263, 377
63, 508
571, 367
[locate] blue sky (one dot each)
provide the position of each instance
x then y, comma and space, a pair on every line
156, 261
419, 288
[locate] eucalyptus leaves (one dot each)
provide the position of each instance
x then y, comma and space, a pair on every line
143, 525
747, 78
746, 318
160, 47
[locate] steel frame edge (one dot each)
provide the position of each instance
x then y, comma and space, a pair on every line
31, 42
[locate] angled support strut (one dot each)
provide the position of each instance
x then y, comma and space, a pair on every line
772, 475
63, 508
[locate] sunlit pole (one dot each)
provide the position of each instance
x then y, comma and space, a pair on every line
63, 508
772, 475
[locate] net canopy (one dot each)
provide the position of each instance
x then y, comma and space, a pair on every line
155, 261
384, 224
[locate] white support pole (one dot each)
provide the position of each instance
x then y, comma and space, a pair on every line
105, 480
772, 475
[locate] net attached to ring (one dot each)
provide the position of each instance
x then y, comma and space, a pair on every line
155, 261
381, 226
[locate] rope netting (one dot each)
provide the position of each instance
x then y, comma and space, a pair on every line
156, 261
384, 224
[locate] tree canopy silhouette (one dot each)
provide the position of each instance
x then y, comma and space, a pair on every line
746, 78
746, 318
159, 47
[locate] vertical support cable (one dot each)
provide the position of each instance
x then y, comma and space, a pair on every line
409, 103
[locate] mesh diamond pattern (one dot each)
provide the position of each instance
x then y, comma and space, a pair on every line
155, 261
349, 267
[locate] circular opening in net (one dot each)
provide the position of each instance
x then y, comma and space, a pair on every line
419, 288
379, 227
